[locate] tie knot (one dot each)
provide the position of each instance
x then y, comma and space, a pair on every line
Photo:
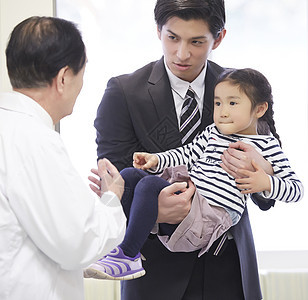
190, 93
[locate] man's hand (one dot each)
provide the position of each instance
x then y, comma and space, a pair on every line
110, 179
253, 181
239, 155
173, 207
144, 160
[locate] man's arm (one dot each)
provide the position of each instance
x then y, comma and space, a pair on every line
115, 135
173, 207
239, 156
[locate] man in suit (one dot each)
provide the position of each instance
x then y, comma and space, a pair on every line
141, 112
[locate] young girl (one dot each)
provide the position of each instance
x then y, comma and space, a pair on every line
243, 111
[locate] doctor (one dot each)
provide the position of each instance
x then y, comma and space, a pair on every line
51, 225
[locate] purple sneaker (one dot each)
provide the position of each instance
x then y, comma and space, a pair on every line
116, 266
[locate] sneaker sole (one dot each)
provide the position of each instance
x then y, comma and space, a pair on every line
92, 273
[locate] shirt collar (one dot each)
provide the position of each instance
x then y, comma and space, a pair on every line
19, 102
181, 86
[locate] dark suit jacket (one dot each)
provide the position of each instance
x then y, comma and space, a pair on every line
137, 114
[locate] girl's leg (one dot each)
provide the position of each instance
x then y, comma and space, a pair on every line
143, 213
140, 202
131, 177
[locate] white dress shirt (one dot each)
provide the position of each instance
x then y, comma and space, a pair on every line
51, 224
179, 89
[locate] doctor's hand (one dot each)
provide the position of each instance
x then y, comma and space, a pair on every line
239, 155
109, 179
173, 207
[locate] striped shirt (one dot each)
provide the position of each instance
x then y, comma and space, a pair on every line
202, 158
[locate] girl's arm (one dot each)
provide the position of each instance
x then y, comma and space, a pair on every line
144, 160
283, 186
253, 181
239, 155
185, 155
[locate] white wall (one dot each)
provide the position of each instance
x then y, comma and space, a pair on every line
13, 12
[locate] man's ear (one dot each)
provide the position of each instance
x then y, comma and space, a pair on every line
60, 79
261, 109
158, 32
219, 39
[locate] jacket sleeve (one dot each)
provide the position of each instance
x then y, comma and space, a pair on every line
115, 135
262, 202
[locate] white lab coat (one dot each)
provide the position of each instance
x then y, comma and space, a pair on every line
51, 224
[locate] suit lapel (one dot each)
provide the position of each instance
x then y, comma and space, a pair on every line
208, 102
160, 91
166, 130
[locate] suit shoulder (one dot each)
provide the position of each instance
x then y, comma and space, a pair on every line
215, 68
140, 74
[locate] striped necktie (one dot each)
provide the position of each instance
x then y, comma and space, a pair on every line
190, 117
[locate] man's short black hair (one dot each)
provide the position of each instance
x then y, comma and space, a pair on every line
210, 11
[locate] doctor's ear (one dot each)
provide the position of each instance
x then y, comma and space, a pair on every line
60, 79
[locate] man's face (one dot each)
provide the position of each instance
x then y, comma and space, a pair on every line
187, 45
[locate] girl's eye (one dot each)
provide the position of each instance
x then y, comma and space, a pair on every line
232, 103
217, 103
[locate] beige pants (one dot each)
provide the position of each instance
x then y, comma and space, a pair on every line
203, 225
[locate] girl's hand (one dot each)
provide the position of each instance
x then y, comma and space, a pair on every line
144, 160
253, 181
239, 156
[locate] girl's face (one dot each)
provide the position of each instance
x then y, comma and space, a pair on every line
233, 110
